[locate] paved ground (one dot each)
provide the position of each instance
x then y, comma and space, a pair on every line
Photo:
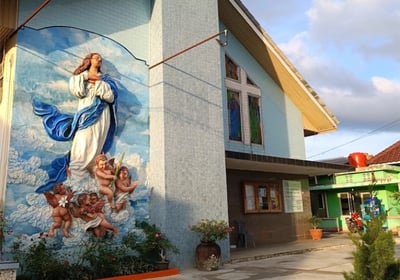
325, 259
321, 265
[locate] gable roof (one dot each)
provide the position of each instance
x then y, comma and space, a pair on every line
388, 155
317, 118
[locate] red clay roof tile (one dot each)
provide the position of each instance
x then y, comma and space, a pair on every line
390, 154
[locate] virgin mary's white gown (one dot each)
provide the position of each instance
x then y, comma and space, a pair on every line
88, 142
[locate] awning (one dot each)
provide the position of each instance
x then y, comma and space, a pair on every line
253, 162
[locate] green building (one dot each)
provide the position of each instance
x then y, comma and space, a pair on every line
334, 197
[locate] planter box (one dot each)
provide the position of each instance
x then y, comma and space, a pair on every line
147, 275
8, 270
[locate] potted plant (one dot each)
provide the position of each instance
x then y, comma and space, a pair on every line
154, 245
208, 252
211, 230
315, 232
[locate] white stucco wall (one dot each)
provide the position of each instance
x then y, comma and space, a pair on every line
186, 126
281, 119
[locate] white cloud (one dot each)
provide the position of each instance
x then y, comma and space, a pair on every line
386, 86
364, 27
347, 50
59, 85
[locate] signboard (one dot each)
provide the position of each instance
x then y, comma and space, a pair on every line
292, 197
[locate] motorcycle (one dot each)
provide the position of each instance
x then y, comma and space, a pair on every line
354, 223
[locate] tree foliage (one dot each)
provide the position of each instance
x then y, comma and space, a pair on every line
374, 257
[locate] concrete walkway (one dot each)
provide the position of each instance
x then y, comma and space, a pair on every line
290, 248
324, 259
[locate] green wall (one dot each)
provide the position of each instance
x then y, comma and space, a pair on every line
383, 192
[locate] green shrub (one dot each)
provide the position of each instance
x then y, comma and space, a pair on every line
374, 255
39, 261
97, 257
152, 244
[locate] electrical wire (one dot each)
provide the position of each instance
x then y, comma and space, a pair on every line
372, 132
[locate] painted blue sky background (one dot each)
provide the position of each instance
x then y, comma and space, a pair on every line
46, 60
348, 52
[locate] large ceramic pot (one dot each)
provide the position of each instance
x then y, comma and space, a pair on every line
208, 256
316, 234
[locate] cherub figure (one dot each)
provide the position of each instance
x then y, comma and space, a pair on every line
59, 200
92, 215
96, 202
105, 177
123, 187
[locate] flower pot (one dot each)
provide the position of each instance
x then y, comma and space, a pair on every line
316, 233
208, 256
8, 269
161, 265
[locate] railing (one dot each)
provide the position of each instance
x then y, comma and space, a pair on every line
330, 224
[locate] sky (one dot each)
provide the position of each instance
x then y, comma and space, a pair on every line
348, 51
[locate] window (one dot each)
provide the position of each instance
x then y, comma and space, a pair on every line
344, 203
244, 105
322, 210
234, 119
255, 120
321, 200
262, 197
351, 201
231, 69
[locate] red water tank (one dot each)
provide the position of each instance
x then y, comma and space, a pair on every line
358, 159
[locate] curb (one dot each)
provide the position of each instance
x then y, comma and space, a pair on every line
285, 253
147, 275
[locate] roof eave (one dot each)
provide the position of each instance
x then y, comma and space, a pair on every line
272, 164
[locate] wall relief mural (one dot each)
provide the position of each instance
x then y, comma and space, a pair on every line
79, 138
